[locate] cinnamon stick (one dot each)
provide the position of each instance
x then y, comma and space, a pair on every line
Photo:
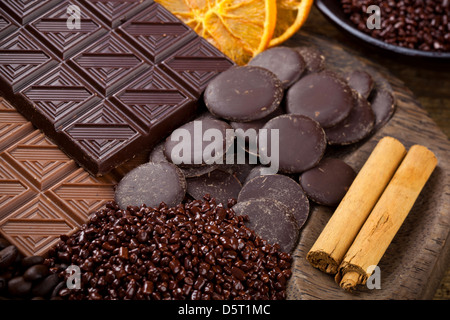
386, 217
330, 247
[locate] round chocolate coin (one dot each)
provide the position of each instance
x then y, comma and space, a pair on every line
361, 81
356, 126
328, 182
301, 143
244, 93
256, 172
157, 155
314, 59
199, 142
322, 96
219, 184
286, 63
278, 187
383, 106
151, 184
271, 220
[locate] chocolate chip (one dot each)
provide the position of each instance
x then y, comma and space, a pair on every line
421, 25
195, 250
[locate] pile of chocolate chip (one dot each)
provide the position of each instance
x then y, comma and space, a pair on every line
195, 250
414, 24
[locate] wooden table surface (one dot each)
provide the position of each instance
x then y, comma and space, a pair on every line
430, 84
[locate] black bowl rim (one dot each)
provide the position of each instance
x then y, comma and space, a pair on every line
348, 27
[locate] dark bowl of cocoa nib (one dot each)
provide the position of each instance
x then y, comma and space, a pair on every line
414, 28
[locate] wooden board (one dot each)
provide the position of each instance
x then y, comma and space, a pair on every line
419, 255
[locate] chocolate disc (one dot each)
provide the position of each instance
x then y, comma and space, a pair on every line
256, 172
240, 171
314, 59
286, 63
360, 81
192, 137
356, 126
328, 182
383, 106
218, 184
271, 220
150, 184
322, 96
278, 187
244, 94
157, 155
199, 171
247, 132
302, 143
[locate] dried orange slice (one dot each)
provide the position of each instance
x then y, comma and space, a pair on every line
291, 15
239, 28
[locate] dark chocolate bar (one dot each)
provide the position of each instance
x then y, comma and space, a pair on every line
120, 80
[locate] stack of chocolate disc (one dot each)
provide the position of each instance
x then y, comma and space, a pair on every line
301, 107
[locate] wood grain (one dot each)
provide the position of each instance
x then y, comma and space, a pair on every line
418, 256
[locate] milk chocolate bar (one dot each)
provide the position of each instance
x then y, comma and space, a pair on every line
103, 79
44, 193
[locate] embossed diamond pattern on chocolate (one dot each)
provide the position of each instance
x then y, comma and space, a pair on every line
154, 97
43, 193
22, 60
13, 126
52, 30
109, 63
23, 11
157, 33
115, 12
7, 25
195, 64
60, 77
59, 95
102, 131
